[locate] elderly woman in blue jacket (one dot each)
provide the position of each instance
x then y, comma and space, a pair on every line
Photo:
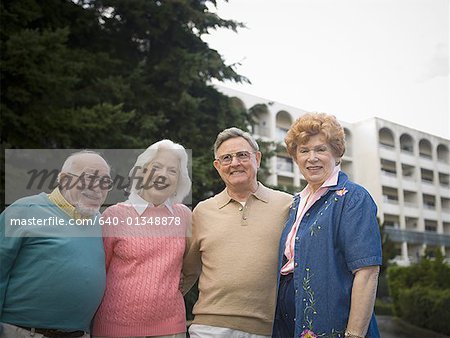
330, 249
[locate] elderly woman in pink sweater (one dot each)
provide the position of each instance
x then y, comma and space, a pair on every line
144, 245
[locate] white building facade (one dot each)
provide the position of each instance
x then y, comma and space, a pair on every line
406, 171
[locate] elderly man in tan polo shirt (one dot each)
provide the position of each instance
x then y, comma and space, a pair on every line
234, 245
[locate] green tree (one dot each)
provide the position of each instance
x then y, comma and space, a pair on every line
421, 293
388, 246
44, 80
115, 74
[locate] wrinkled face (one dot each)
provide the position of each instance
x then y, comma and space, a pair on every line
315, 160
161, 177
241, 171
87, 183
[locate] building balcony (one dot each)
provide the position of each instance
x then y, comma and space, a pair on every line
387, 144
260, 131
409, 184
387, 152
430, 213
416, 237
444, 191
285, 165
389, 179
408, 158
445, 215
285, 174
428, 188
443, 167
411, 210
389, 207
426, 162
280, 134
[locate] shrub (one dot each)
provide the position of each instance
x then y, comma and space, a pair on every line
383, 288
383, 308
421, 293
426, 307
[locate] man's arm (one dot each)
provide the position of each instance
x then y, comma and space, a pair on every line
192, 262
9, 250
363, 299
192, 265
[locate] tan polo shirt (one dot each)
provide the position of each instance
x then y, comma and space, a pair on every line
234, 250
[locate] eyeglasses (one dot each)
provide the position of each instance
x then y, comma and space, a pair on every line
92, 181
242, 156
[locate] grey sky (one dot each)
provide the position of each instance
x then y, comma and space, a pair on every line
351, 58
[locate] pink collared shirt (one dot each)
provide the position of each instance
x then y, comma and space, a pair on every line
307, 199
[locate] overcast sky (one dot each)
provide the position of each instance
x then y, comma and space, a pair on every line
352, 58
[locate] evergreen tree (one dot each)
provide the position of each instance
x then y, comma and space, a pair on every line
115, 74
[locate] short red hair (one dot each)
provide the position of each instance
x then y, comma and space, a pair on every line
311, 124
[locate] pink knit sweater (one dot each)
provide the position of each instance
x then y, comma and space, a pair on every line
142, 296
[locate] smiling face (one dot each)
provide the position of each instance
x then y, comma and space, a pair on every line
239, 176
85, 197
315, 160
161, 177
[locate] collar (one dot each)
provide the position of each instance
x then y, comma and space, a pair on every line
139, 204
342, 181
262, 193
331, 181
56, 197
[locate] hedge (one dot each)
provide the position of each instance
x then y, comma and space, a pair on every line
421, 294
426, 307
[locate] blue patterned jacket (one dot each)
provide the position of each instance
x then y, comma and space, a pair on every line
336, 236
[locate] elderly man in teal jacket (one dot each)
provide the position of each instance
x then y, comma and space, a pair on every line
52, 272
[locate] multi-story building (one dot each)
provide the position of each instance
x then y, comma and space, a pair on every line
406, 171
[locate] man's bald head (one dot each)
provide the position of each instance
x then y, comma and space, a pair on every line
80, 181
84, 158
